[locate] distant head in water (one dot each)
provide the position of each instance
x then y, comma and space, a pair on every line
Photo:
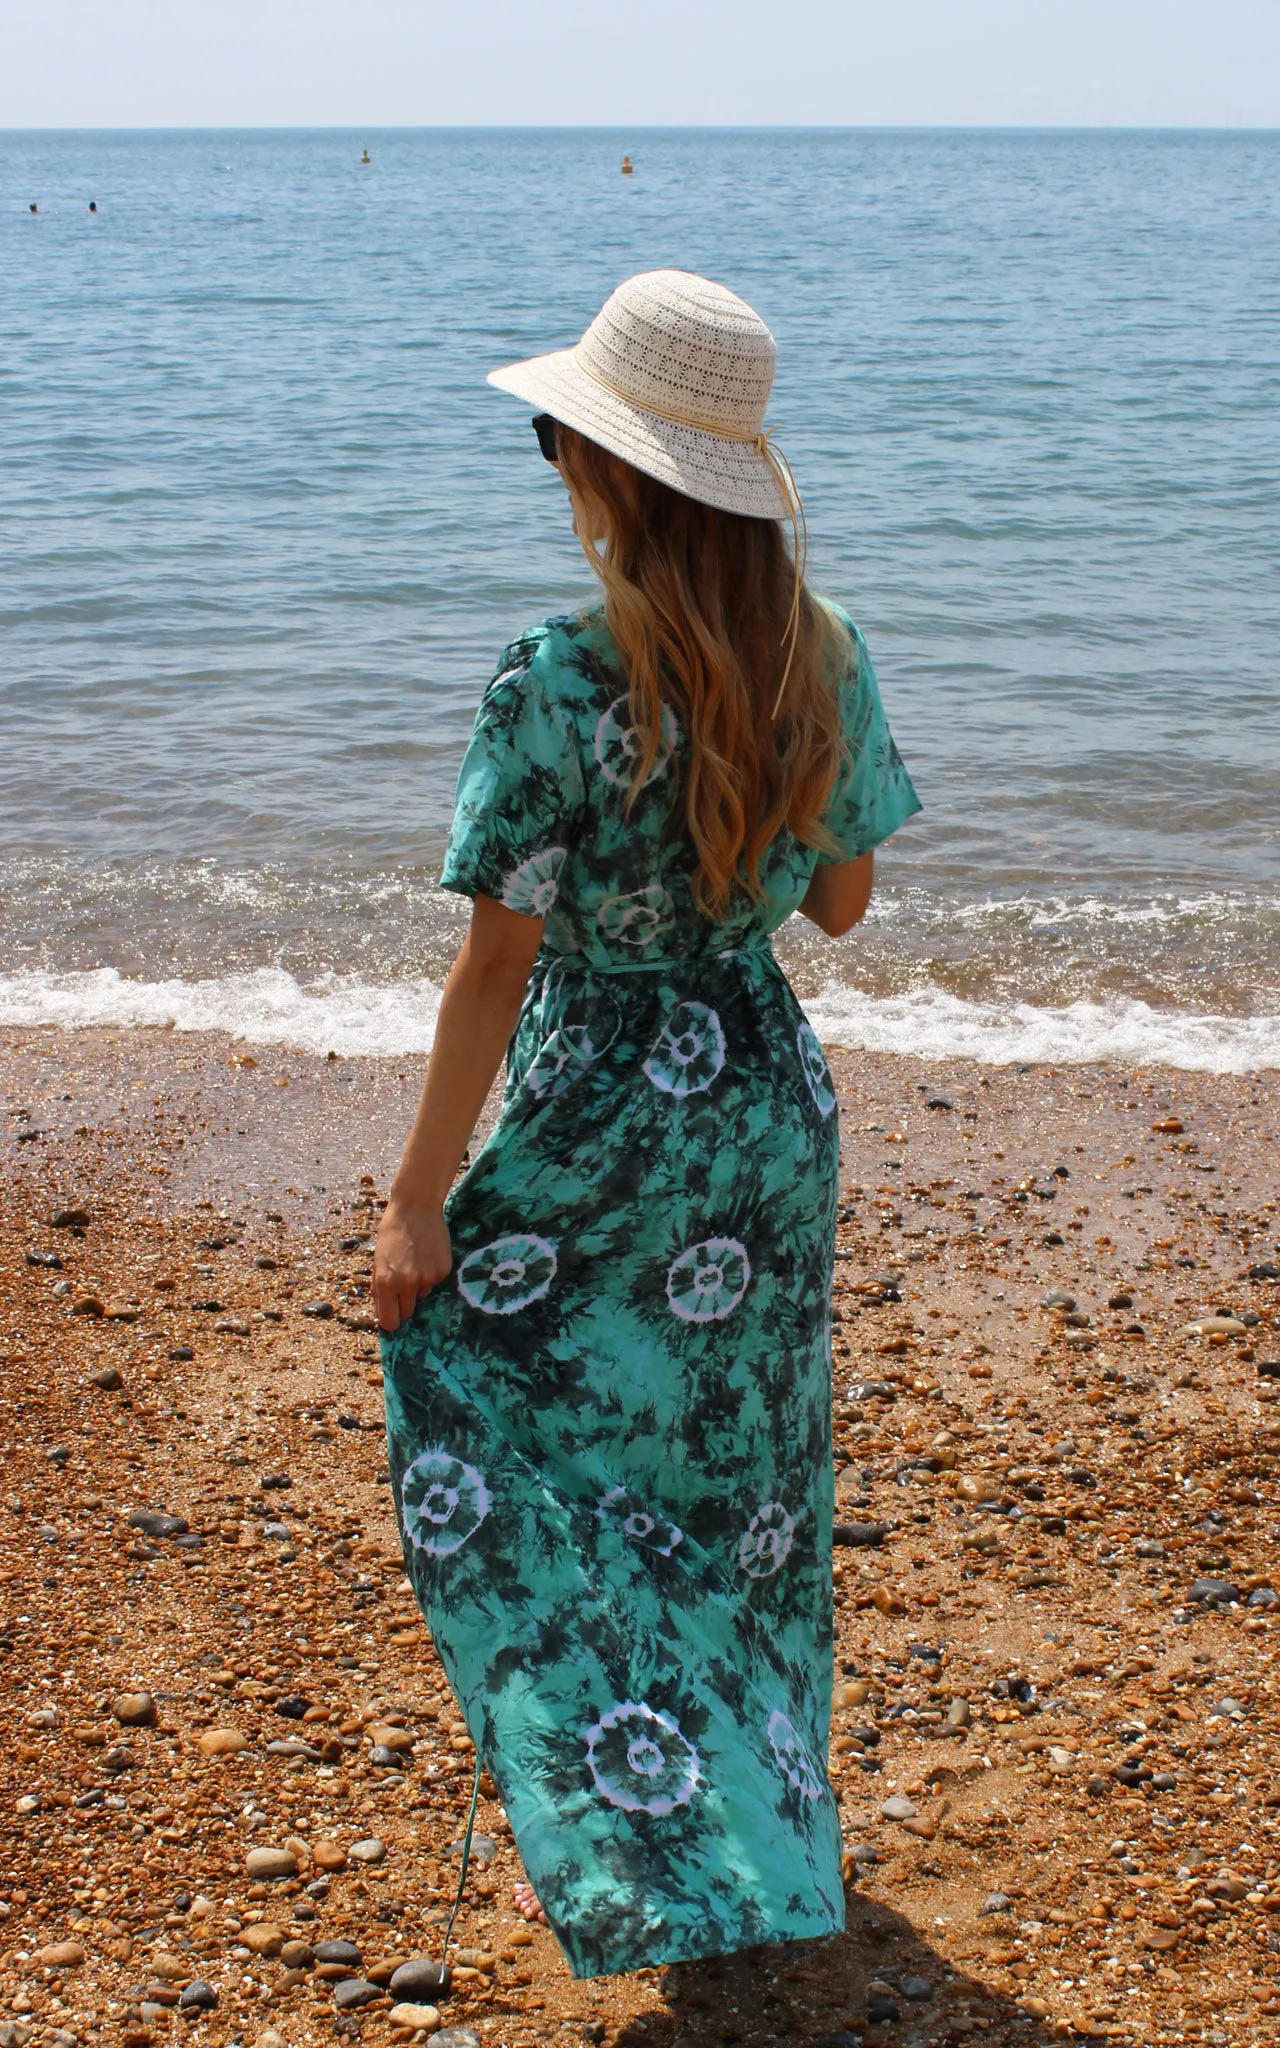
93, 206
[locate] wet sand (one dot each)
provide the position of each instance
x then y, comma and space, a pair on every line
1089, 1844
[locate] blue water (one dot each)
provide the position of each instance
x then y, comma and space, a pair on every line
265, 529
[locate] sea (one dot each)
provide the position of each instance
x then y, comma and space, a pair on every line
264, 532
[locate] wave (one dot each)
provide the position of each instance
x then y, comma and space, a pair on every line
931, 1023
350, 1016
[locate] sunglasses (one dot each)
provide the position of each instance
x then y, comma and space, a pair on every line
545, 429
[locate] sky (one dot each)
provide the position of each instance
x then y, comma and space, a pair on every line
385, 63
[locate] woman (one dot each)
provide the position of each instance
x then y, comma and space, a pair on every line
607, 1352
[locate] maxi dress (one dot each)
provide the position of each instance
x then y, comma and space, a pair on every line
610, 1428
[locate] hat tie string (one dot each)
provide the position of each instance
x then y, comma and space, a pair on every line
782, 474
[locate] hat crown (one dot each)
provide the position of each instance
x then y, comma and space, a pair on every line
686, 349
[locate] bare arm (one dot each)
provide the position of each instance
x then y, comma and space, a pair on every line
837, 897
478, 1011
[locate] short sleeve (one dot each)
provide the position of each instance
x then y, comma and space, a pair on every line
873, 794
520, 789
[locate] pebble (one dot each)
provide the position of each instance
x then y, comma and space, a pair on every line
917, 1989
134, 1709
294, 1705
457, 2037
425, 2017
341, 1952
1215, 1592
60, 1955
354, 1992
421, 1978
271, 1863
995, 1902
371, 1850
865, 1535
328, 1856
155, 1523
107, 1378
899, 1808
221, 1742
197, 1997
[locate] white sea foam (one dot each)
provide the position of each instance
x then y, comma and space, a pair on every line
930, 1023
346, 1015
335, 1013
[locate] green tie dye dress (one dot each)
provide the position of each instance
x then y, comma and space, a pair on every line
609, 1429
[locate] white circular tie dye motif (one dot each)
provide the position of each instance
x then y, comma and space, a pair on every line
706, 1282
640, 1761
625, 1511
638, 918
618, 746
688, 1052
508, 1274
766, 1542
531, 889
792, 1757
443, 1502
814, 1066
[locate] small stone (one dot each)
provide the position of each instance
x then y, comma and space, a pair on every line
134, 1709
370, 1851
995, 1902
384, 1736
1215, 1592
60, 1955
264, 1938
340, 1952
917, 1989
197, 1997
886, 1601
959, 1715
88, 1305
939, 1102
461, 2037
182, 1354
354, 1992
425, 2017
27, 1805
156, 1524
386, 1759
274, 1482
1059, 1300
298, 1955
294, 1706
222, 1742
271, 1863
899, 1808
860, 1535
328, 1856
107, 1378
70, 1219
320, 1310
420, 1978
294, 1746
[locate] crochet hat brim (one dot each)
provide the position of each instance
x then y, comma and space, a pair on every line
715, 469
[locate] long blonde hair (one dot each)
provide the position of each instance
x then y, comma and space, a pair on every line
698, 603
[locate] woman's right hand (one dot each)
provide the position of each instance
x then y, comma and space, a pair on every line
412, 1255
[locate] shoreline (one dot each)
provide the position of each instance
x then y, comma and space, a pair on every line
1020, 1467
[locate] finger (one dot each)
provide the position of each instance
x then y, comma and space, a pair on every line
410, 1290
386, 1303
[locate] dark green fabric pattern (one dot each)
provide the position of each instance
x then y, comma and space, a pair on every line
609, 1430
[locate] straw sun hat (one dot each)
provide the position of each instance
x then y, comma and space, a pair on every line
673, 375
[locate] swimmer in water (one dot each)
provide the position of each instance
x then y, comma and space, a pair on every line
34, 207
93, 206
366, 158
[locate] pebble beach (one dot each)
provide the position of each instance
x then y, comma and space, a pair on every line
235, 1781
